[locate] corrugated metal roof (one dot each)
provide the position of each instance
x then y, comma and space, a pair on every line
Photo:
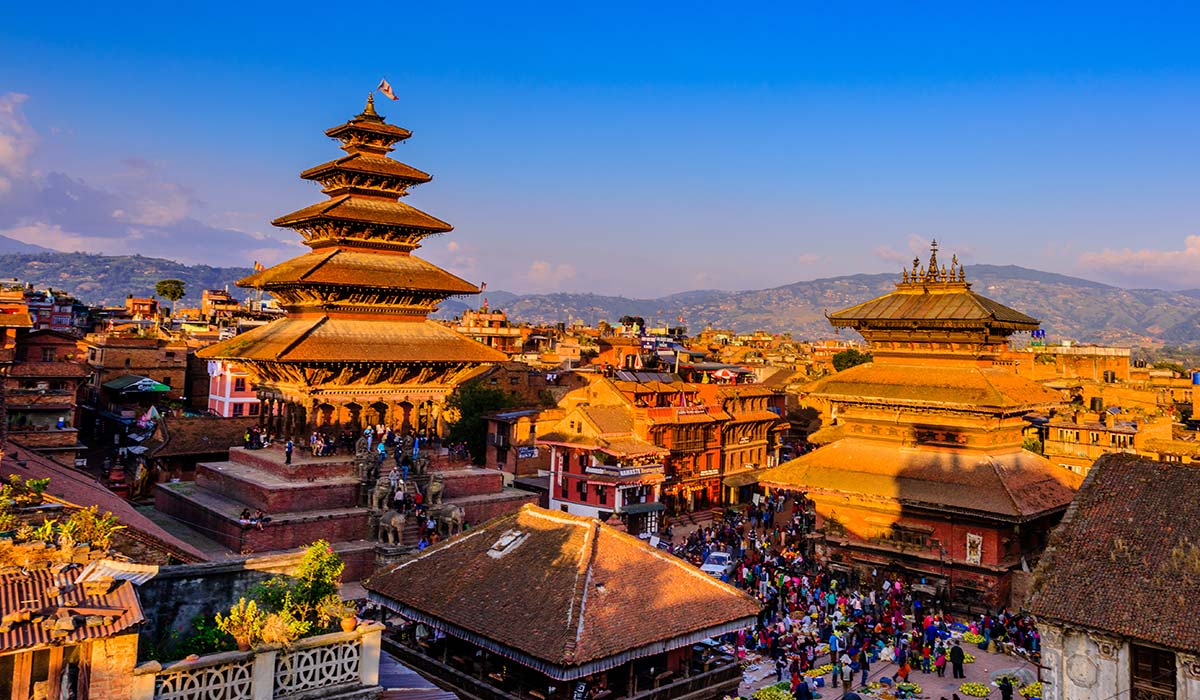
47, 596
137, 574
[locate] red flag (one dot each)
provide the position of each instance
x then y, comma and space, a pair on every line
386, 88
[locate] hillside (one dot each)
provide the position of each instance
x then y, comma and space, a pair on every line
108, 279
1069, 307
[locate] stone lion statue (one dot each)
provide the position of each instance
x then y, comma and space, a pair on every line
391, 527
381, 495
434, 495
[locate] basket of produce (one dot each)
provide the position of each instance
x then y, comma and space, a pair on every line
975, 690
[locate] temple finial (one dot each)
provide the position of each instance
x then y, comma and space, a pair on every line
369, 110
933, 263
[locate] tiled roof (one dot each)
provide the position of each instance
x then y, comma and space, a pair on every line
325, 338
936, 304
48, 369
201, 436
609, 420
369, 211
568, 595
986, 387
15, 320
47, 596
80, 490
1013, 484
360, 269
1126, 557
367, 163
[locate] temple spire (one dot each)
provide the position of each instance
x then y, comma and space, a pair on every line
369, 111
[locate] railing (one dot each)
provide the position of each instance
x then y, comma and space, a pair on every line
337, 662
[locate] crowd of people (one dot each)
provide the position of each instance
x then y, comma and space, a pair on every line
815, 623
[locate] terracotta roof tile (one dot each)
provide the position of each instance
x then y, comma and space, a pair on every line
360, 269
568, 591
325, 338
367, 163
80, 490
48, 369
369, 211
1014, 484
1125, 558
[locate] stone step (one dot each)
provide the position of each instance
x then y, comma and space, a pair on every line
304, 465
216, 516
257, 488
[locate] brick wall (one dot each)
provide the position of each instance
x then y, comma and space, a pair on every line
112, 663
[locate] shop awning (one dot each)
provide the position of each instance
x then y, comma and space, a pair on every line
132, 383
736, 481
639, 508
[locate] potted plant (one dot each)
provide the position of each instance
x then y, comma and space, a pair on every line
281, 628
333, 607
244, 623
93, 528
8, 522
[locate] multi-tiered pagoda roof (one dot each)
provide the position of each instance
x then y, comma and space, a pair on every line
357, 305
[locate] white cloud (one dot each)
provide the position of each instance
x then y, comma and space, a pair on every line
1149, 267
808, 259
548, 276
17, 139
915, 246
139, 209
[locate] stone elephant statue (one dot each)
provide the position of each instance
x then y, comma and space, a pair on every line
450, 519
391, 527
382, 493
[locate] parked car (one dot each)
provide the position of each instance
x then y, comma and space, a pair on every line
718, 564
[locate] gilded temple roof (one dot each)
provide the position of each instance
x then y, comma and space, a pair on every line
958, 386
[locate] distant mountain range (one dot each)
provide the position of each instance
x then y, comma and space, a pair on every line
1069, 307
108, 279
12, 245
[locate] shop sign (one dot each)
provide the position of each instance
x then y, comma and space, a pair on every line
527, 453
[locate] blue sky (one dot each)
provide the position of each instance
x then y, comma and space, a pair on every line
640, 148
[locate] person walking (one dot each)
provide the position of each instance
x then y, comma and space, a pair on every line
939, 664
1006, 688
957, 656
287, 452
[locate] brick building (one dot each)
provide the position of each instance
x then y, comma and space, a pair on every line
1115, 592
230, 390
42, 390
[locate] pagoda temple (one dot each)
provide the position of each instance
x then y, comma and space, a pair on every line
356, 348
921, 473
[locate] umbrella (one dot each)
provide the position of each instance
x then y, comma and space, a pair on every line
1021, 673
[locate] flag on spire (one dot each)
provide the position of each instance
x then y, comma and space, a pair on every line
258, 267
386, 88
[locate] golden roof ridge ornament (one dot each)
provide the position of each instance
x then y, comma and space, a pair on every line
369, 111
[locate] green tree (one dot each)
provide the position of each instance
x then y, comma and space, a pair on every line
172, 290
472, 402
850, 358
318, 576
1032, 444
